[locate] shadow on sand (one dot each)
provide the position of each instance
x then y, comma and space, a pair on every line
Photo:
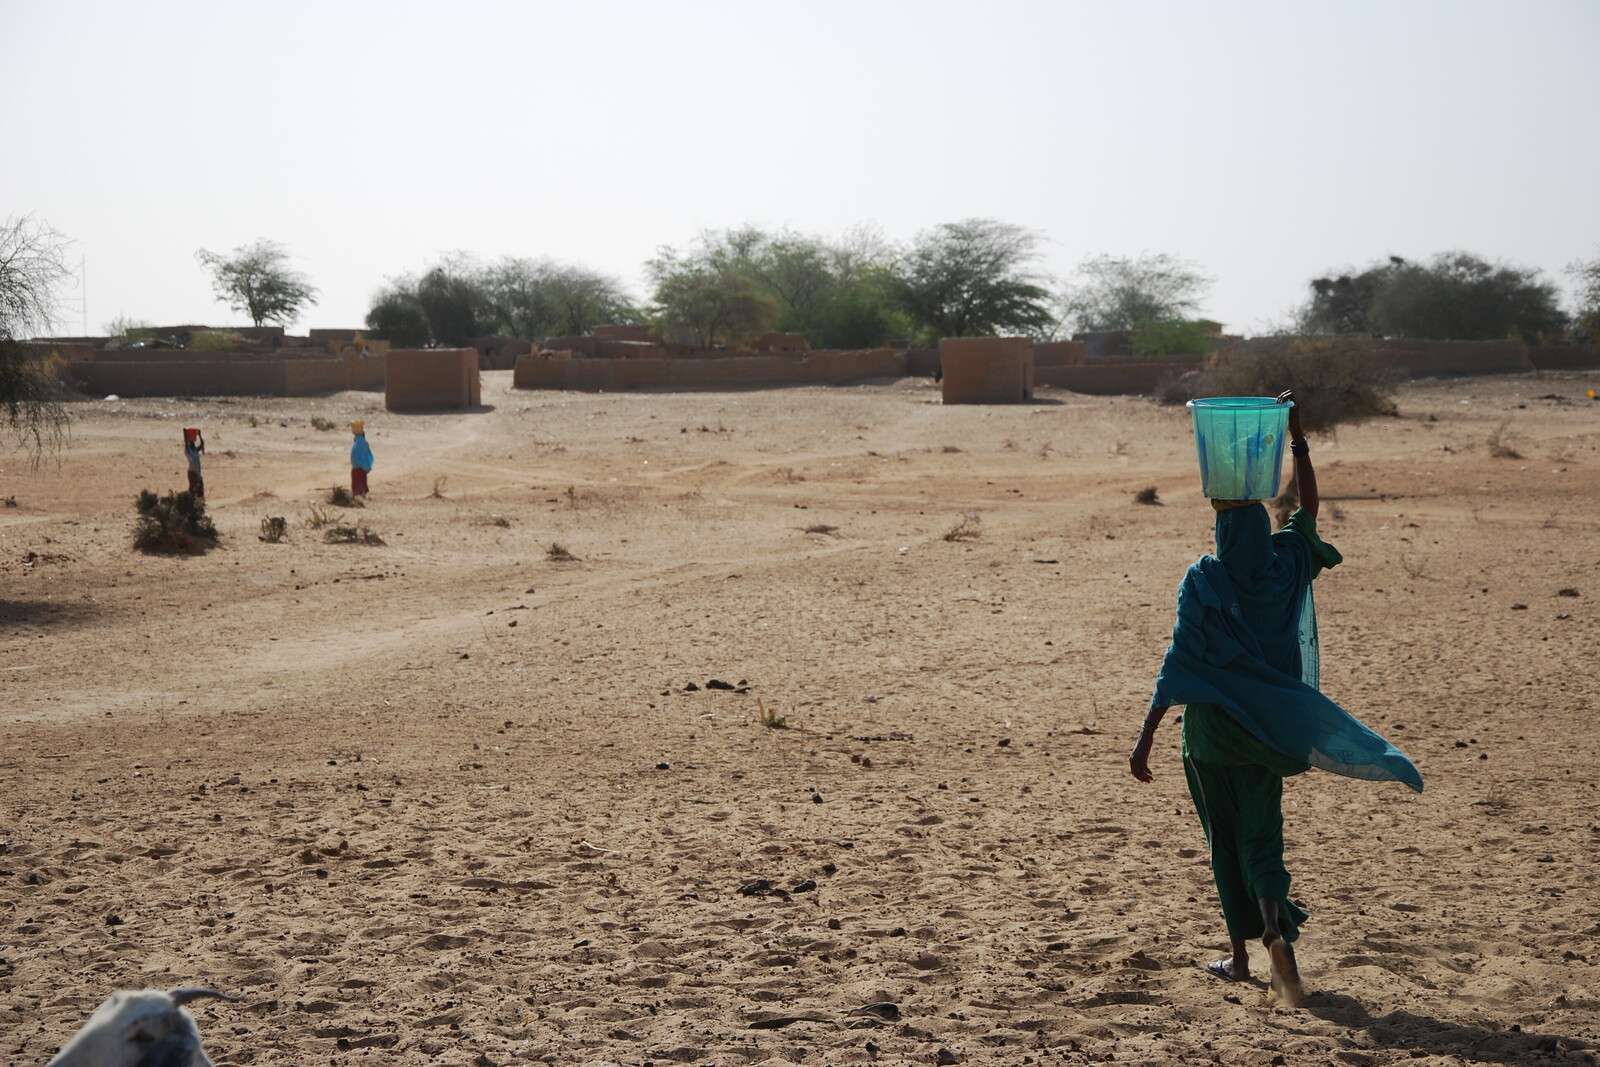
45, 613
1426, 1035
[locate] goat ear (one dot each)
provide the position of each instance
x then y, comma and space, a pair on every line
183, 994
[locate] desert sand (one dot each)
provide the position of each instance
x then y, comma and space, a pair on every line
450, 800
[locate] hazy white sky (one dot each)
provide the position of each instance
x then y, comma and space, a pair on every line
1267, 141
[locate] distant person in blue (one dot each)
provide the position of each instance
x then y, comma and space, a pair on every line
194, 443
360, 459
1243, 662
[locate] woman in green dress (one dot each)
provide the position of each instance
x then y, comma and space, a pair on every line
1243, 662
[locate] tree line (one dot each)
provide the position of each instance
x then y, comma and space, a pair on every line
969, 278
959, 279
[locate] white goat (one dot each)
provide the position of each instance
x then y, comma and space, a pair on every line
140, 1028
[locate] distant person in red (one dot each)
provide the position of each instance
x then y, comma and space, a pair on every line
360, 459
193, 445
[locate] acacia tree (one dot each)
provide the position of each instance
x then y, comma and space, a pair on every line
701, 299
32, 266
1462, 297
1132, 293
257, 280
535, 299
397, 316
971, 278
1456, 296
459, 299
835, 291
1586, 276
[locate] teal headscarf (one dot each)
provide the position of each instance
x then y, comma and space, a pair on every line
1245, 639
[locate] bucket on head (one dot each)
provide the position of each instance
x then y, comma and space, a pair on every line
190, 434
358, 427
1240, 443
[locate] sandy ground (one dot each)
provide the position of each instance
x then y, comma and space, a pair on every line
450, 800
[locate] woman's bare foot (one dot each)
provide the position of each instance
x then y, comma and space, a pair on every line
1287, 992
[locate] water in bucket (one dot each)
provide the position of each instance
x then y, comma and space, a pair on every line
1240, 442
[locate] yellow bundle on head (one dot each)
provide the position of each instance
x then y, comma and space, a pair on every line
358, 427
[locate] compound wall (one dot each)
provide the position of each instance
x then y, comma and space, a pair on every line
432, 379
1117, 375
1057, 354
826, 367
1565, 357
987, 370
234, 376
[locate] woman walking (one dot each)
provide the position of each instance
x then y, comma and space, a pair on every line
1243, 662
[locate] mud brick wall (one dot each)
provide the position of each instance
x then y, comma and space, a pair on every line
1117, 376
987, 370
431, 379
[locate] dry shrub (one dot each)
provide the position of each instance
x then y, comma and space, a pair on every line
359, 534
1497, 445
344, 498
1335, 379
1181, 388
559, 553
966, 529
274, 529
317, 517
175, 524
821, 528
1147, 495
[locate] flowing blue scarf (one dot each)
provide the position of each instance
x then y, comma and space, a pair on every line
1245, 640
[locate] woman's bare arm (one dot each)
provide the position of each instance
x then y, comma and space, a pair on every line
1305, 478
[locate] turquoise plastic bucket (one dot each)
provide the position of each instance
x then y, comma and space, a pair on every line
1240, 442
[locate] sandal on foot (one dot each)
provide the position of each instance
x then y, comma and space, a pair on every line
1223, 969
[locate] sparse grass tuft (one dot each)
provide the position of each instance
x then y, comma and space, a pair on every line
438, 487
1498, 798
770, 718
274, 529
966, 528
175, 524
344, 498
821, 528
558, 553
1147, 495
359, 534
1497, 445
951, 448
320, 423
317, 517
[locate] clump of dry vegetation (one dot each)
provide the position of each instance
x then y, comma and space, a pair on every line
344, 498
1147, 495
967, 528
274, 529
1335, 379
558, 553
1498, 448
769, 717
317, 517
821, 528
174, 524
341, 533
438, 487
